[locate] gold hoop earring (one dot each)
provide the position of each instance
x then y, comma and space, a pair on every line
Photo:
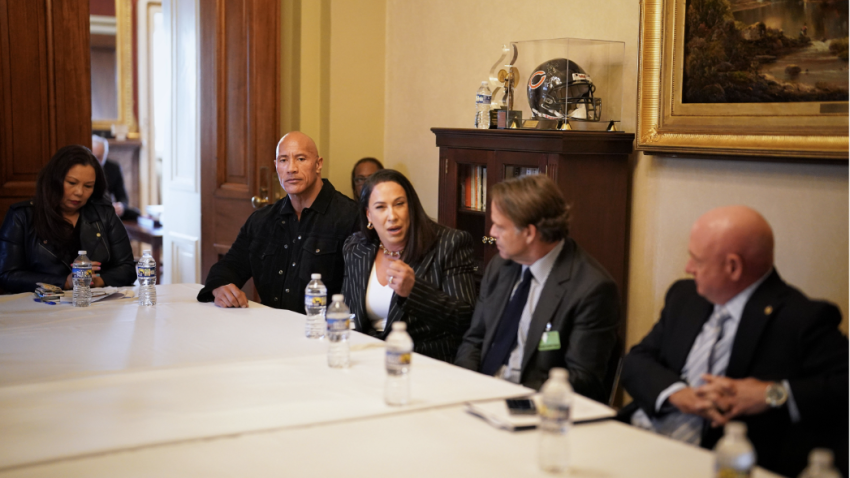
369, 226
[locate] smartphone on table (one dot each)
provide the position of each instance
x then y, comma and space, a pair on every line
521, 406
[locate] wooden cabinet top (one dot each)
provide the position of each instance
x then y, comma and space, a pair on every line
563, 142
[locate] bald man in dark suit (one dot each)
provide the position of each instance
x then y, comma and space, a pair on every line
738, 343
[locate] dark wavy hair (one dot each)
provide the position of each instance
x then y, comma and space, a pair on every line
536, 200
358, 163
50, 188
422, 232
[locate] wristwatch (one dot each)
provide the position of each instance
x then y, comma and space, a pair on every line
775, 395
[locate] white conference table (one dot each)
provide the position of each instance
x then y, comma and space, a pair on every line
190, 389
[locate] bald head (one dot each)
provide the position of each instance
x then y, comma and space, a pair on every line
731, 248
100, 148
304, 142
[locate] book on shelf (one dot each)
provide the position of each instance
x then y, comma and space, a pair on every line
474, 192
484, 190
467, 191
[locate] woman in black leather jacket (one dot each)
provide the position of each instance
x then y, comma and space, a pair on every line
40, 238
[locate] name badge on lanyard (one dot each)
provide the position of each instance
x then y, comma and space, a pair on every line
550, 340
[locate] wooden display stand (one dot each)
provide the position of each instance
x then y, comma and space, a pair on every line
591, 168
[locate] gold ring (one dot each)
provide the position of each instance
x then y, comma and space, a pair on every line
391, 279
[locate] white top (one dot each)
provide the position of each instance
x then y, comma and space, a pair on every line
378, 299
539, 273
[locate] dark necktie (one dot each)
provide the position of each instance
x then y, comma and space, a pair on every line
505, 338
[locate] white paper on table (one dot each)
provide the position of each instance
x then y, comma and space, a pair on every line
102, 294
495, 412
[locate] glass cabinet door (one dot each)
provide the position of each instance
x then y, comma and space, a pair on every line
514, 171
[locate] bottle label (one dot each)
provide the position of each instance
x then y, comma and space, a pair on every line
555, 415
397, 361
728, 472
81, 272
480, 98
338, 324
145, 272
314, 301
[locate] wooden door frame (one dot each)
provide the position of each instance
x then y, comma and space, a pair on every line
221, 196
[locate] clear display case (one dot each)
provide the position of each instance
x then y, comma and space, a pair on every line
580, 80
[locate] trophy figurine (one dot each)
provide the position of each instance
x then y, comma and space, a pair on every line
505, 116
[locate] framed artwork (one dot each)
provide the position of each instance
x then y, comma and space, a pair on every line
744, 78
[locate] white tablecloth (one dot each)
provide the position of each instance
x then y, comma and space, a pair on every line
187, 389
113, 376
44, 342
444, 442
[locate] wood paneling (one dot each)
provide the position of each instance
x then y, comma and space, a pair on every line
45, 96
240, 52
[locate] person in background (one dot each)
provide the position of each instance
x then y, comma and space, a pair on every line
115, 190
360, 173
402, 266
738, 343
40, 238
282, 244
544, 301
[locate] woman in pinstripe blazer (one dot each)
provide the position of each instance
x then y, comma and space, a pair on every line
402, 266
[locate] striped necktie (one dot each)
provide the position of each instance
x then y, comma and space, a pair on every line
710, 354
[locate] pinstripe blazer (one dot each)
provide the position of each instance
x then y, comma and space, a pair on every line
439, 308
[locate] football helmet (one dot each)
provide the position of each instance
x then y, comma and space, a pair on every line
560, 89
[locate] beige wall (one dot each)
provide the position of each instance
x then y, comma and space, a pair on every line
332, 79
438, 52
357, 57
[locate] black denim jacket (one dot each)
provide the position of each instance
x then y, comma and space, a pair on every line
280, 252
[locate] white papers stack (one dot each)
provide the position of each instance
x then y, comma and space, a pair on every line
102, 293
496, 413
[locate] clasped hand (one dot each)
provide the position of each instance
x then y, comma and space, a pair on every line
721, 399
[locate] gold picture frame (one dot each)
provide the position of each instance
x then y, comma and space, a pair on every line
124, 58
666, 125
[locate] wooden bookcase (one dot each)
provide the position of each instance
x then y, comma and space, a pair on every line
593, 169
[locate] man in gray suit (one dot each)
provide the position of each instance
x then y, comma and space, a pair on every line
544, 302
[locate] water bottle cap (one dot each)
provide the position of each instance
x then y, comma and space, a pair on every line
399, 326
558, 372
338, 298
483, 83
315, 276
738, 429
821, 456
146, 252
82, 253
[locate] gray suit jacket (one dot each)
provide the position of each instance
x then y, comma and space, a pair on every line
579, 299
439, 307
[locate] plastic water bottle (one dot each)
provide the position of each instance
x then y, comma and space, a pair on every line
146, 272
338, 318
482, 106
81, 274
399, 350
820, 465
734, 456
315, 303
555, 421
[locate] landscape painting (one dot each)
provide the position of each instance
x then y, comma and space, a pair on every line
765, 51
